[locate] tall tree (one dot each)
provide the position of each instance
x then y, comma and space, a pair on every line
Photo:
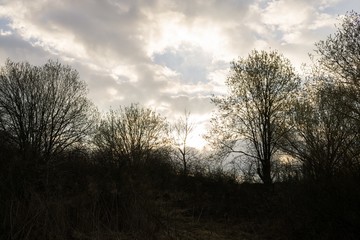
339, 57
131, 134
340, 52
44, 108
261, 88
334, 112
323, 139
182, 128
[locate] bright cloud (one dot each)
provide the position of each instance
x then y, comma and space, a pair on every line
172, 30
286, 15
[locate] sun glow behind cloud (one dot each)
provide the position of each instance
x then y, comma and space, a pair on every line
172, 30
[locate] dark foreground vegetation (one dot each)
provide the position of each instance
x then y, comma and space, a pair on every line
82, 199
68, 173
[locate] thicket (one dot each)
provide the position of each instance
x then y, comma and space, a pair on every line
81, 197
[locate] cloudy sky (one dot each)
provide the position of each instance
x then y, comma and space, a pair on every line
169, 55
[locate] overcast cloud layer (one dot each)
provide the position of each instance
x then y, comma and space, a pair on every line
165, 54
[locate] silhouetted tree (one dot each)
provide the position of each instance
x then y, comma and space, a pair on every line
323, 139
44, 108
340, 58
131, 133
340, 52
262, 88
182, 130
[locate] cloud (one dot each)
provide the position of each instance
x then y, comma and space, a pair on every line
13, 46
166, 54
286, 15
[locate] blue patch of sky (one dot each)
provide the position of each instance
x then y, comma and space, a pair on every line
263, 3
191, 63
341, 7
169, 59
5, 24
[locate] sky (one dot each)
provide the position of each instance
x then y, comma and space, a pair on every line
168, 55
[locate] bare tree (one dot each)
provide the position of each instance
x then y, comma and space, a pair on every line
339, 57
44, 108
338, 96
131, 134
340, 52
324, 139
182, 130
253, 118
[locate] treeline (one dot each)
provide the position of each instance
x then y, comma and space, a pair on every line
66, 172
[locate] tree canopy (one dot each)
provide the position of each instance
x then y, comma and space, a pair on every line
261, 88
44, 108
131, 134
